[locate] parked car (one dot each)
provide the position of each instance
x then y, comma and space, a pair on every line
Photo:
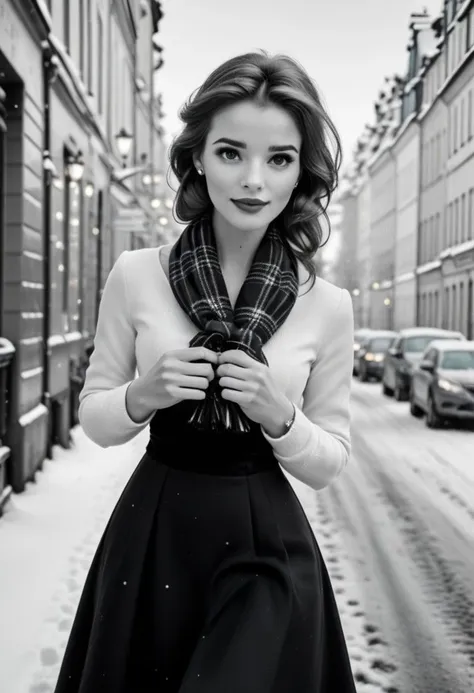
369, 360
359, 336
443, 383
405, 353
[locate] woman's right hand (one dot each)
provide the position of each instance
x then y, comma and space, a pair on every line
174, 377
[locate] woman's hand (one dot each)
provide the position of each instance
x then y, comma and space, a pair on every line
249, 384
174, 377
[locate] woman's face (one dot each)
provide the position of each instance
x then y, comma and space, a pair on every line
251, 153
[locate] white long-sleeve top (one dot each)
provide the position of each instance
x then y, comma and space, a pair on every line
310, 357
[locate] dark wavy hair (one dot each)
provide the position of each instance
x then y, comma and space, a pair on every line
264, 79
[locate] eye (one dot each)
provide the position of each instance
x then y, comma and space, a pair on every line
224, 153
282, 160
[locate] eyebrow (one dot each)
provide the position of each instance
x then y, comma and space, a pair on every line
242, 145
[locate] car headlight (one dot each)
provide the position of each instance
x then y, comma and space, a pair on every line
356, 346
373, 357
449, 386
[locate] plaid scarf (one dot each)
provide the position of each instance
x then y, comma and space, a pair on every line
263, 304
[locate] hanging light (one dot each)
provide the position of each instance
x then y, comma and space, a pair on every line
89, 190
124, 143
75, 167
146, 180
169, 203
155, 203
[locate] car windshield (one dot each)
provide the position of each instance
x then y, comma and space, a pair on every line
457, 360
380, 344
418, 344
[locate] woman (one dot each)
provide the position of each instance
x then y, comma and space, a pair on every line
208, 577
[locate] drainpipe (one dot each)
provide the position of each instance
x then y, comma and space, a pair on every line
49, 171
100, 214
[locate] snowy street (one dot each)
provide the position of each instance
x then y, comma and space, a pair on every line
396, 530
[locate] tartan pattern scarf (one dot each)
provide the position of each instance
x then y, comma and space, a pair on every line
265, 300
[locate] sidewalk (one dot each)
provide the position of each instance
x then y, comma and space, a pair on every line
48, 536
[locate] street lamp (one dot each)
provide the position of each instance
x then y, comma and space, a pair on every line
124, 143
75, 167
89, 189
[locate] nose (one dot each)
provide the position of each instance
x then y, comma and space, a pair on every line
253, 177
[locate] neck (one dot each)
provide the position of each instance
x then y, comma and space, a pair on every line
236, 248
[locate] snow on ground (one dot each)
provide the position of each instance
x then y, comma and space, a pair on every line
48, 536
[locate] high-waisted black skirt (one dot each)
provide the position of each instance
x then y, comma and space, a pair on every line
208, 579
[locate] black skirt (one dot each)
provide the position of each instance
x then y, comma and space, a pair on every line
208, 579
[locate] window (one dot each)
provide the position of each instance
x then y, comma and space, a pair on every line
82, 43
470, 41
437, 243
100, 64
430, 355
67, 25
458, 360
380, 344
415, 345
454, 304
446, 307
455, 129
449, 227
90, 47
455, 236
469, 114
462, 224
470, 216
438, 155
461, 126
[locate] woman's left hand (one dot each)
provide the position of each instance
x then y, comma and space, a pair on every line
249, 384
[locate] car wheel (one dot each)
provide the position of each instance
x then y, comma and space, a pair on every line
415, 410
433, 419
363, 377
386, 389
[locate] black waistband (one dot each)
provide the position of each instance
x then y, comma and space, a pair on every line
212, 454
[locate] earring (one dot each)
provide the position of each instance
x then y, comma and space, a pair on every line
200, 171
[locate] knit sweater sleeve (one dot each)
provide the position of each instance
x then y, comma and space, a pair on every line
317, 447
112, 367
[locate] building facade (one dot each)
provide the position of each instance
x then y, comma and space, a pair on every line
432, 219
382, 238
81, 153
457, 255
421, 182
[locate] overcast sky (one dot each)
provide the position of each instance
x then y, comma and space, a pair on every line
347, 46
